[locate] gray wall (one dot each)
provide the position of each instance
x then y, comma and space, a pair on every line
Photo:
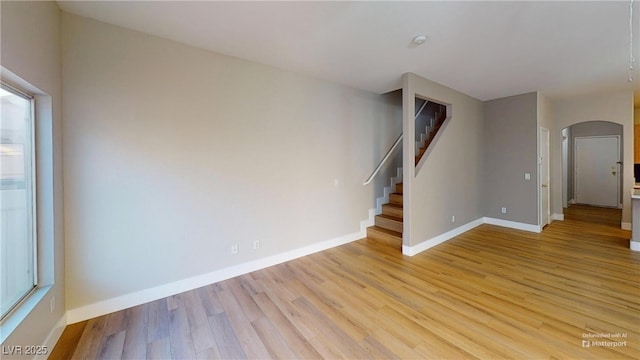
510, 151
591, 128
384, 142
173, 154
448, 180
31, 50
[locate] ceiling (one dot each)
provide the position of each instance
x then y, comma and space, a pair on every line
487, 50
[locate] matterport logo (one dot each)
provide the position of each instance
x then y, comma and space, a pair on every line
604, 340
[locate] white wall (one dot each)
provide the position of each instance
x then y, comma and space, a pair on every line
173, 154
31, 52
449, 180
614, 107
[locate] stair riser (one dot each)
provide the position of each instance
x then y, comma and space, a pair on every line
395, 199
392, 211
389, 224
399, 188
384, 238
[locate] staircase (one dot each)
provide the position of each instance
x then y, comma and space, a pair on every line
388, 225
430, 132
389, 222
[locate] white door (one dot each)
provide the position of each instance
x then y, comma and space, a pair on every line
545, 203
597, 174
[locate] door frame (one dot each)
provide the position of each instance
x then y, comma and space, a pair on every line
565, 166
618, 163
544, 214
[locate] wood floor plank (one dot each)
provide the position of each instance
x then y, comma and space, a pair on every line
199, 327
304, 325
394, 344
210, 300
112, 346
247, 336
91, 339
158, 320
326, 348
490, 293
159, 349
180, 334
68, 342
272, 339
243, 296
116, 323
376, 349
227, 342
136, 326
340, 339
329, 309
294, 339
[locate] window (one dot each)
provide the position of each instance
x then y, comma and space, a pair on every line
17, 198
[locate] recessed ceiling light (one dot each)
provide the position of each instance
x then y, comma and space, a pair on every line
419, 40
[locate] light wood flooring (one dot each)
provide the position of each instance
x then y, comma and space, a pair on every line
491, 293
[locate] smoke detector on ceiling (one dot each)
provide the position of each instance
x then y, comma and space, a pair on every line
419, 40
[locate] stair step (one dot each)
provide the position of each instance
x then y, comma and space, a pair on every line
385, 236
431, 134
399, 188
395, 198
389, 222
392, 210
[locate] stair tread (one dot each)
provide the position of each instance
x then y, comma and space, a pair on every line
390, 217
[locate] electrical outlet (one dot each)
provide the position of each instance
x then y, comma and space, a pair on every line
52, 304
453, 218
527, 176
256, 244
503, 210
234, 249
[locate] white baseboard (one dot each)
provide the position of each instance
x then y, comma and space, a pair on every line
634, 245
151, 294
625, 226
559, 217
513, 224
416, 249
54, 336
